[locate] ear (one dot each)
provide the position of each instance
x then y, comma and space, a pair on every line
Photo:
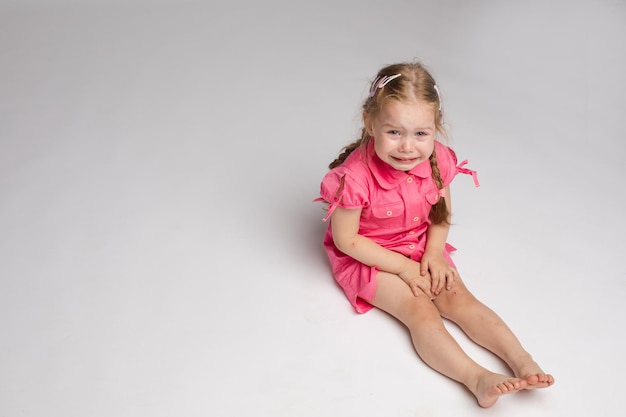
367, 124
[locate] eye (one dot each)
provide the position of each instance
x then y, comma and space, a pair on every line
394, 132
421, 133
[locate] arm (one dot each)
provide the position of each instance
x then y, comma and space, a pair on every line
433, 261
345, 229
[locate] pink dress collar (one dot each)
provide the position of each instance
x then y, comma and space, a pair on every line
389, 177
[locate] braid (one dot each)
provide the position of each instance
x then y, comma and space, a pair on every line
439, 211
345, 152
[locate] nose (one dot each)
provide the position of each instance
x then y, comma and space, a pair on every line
405, 145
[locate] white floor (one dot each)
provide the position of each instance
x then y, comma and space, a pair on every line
159, 251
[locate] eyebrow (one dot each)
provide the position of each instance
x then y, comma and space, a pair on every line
388, 124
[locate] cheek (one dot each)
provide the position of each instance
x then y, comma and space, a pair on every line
380, 146
379, 150
427, 147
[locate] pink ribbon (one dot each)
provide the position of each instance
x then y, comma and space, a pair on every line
468, 172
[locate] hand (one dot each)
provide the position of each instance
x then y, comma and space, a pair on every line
418, 283
441, 273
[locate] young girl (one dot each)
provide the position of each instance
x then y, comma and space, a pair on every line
388, 201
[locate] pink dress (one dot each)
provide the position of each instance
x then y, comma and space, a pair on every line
395, 207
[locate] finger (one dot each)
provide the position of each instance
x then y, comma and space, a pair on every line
424, 268
415, 289
425, 284
441, 283
424, 288
435, 279
450, 280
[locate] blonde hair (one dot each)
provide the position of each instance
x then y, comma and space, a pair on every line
414, 84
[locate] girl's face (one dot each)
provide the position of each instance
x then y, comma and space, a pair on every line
404, 133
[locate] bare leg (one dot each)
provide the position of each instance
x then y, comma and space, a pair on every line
435, 345
484, 326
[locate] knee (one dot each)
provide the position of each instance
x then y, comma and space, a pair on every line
454, 302
420, 311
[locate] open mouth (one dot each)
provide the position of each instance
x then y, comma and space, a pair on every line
404, 160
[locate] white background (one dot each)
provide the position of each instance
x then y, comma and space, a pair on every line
159, 251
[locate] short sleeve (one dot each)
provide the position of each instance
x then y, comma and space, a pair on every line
449, 166
446, 160
340, 187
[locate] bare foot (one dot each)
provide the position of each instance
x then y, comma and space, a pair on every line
533, 375
538, 380
490, 387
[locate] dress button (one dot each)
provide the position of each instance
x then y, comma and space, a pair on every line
389, 213
409, 179
411, 246
416, 219
412, 232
